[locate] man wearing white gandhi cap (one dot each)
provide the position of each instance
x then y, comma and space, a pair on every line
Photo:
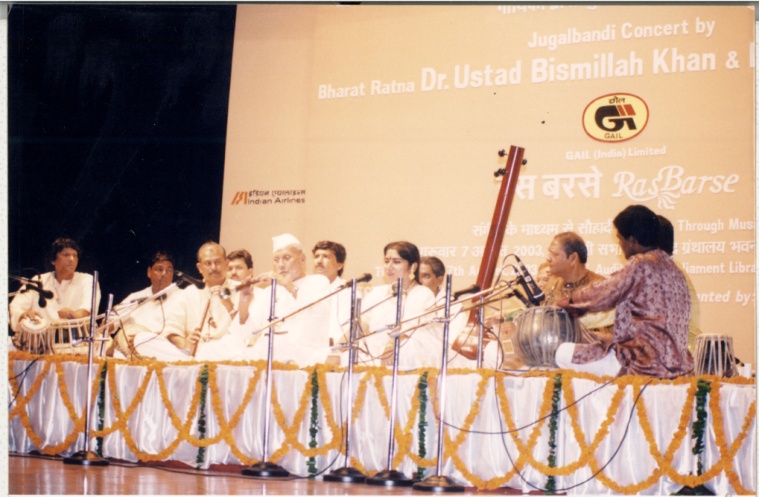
306, 340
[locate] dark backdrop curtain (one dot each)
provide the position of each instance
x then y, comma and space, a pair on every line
117, 128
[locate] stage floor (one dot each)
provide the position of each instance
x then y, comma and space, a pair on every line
43, 475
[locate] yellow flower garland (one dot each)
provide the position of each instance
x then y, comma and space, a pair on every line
226, 426
405, 434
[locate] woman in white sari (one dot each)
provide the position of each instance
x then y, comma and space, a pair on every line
419, 347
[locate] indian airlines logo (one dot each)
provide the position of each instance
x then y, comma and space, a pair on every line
616, 117
240, 198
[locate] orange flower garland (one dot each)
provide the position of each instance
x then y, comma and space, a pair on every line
588, 443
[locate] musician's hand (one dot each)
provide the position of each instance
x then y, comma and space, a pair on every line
33, 315
493, 322
193, 337
265, 278
67, 313
567, 306
506, 330
246, 293
243, 305
563, 303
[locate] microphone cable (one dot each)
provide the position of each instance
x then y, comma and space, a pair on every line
600, 470
23, 375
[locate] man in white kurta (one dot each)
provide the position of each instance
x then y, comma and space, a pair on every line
141, 316
329, 260
198, 320
432, 275
303, 337
72, 291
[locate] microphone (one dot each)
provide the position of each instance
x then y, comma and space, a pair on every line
143, 299
534, 293
41, 290
189, 279
44, 295
41, 298
35, 285
364, 278
464, 291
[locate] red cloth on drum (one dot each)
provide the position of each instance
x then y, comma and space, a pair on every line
653, 307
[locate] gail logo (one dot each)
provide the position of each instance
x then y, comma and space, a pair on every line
669, 184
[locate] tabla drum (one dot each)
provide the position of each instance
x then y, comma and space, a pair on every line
714, 355
34, 336
540, 331
70, 336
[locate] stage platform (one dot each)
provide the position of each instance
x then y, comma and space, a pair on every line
527, 432
48, 475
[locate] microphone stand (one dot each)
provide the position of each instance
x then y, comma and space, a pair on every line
480, 332
266, 469
301, 309
131, 307
391, 477
348, 474
105, 325
438, 482
86, 457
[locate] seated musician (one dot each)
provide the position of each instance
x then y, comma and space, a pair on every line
667, 244
329, 260
432, 275
420, 347
302, 338
72, 291
564, 272
141, 319
239, 265
652, 303
198, 321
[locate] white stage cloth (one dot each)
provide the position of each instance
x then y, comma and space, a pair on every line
616, 436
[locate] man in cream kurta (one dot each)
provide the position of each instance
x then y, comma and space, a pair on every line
198, 320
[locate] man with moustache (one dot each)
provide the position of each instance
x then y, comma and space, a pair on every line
652, 304
142, 318
72, 291
329, 260
198, 321
239, 265
304, 337
563, 272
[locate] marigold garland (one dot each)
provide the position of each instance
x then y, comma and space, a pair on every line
404, 435
587, 450
677, 440
226, 427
